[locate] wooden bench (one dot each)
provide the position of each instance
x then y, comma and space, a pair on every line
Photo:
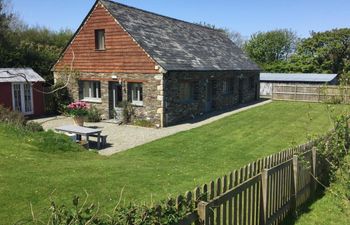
103, 138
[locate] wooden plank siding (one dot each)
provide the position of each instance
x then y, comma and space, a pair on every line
122, 53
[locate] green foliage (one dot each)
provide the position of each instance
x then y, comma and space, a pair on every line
272, 46
334, 147
128, 112
165, 213
328, 51
57, 101
93, 114
34, 126
35, 47
11, 117
282, 51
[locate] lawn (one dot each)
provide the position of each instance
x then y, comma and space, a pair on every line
33, 170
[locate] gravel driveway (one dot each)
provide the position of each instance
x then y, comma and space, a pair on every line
124, 137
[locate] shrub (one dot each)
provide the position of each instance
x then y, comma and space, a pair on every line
57, 101
34, 127
165, 213
128, 112
143, 123
11, 117
93, 115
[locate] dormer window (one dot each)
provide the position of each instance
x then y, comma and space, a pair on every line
100, 39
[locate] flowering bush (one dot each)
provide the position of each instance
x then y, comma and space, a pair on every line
78, 108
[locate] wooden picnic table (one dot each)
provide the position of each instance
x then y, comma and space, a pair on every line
83, 131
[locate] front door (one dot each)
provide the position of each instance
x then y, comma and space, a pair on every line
115, 98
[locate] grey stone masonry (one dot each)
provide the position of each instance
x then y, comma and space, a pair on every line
245, 89
162, 103
152, 85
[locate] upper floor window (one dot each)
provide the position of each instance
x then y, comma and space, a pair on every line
100, 40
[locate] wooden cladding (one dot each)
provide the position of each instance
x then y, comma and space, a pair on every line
103, 46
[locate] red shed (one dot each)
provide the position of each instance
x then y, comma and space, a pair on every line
21, 89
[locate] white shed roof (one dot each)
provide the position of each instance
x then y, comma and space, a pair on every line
298, 77
19, 75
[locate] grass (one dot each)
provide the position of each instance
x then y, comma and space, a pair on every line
334, 207
37, 167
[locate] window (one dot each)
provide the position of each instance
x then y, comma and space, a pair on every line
100, 39
22, 98
228, 86
136, 93
91, 90
187, 91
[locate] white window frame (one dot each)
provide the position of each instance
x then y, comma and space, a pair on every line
90, 98
137, 102
22, 98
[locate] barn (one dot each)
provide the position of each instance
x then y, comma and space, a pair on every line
21, 90
267, 80
169, 70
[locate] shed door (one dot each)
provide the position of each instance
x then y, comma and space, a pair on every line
22, 98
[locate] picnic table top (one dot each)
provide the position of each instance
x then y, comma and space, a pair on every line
78, 129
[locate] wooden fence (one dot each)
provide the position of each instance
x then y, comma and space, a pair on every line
262, 192
311, 93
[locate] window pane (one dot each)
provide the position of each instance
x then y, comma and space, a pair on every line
100, 39
135, 93
141, 94
86, 88
27, 98
91, 89
17, 97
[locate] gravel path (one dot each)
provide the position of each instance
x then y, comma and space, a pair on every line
121, 138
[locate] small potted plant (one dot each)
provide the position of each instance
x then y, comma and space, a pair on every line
78, 110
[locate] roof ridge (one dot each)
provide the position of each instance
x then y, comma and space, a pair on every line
157, 14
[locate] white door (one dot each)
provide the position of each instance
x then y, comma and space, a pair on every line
22, 98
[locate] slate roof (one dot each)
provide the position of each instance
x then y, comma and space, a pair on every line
298, 77
16, 75
179, 45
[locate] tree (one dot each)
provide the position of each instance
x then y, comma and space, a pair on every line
272, 46
327, 52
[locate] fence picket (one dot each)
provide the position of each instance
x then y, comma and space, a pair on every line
262, 192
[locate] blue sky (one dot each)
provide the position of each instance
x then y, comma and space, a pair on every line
244, 16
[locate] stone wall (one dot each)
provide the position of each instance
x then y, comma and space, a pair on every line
176, 111
152, 92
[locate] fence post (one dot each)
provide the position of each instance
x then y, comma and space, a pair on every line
294, 189
314, 171
203, 213
295, 92
264, 196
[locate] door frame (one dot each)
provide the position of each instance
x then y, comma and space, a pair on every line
21, 85
113, 90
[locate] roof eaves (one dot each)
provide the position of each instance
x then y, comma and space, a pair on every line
75, 34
